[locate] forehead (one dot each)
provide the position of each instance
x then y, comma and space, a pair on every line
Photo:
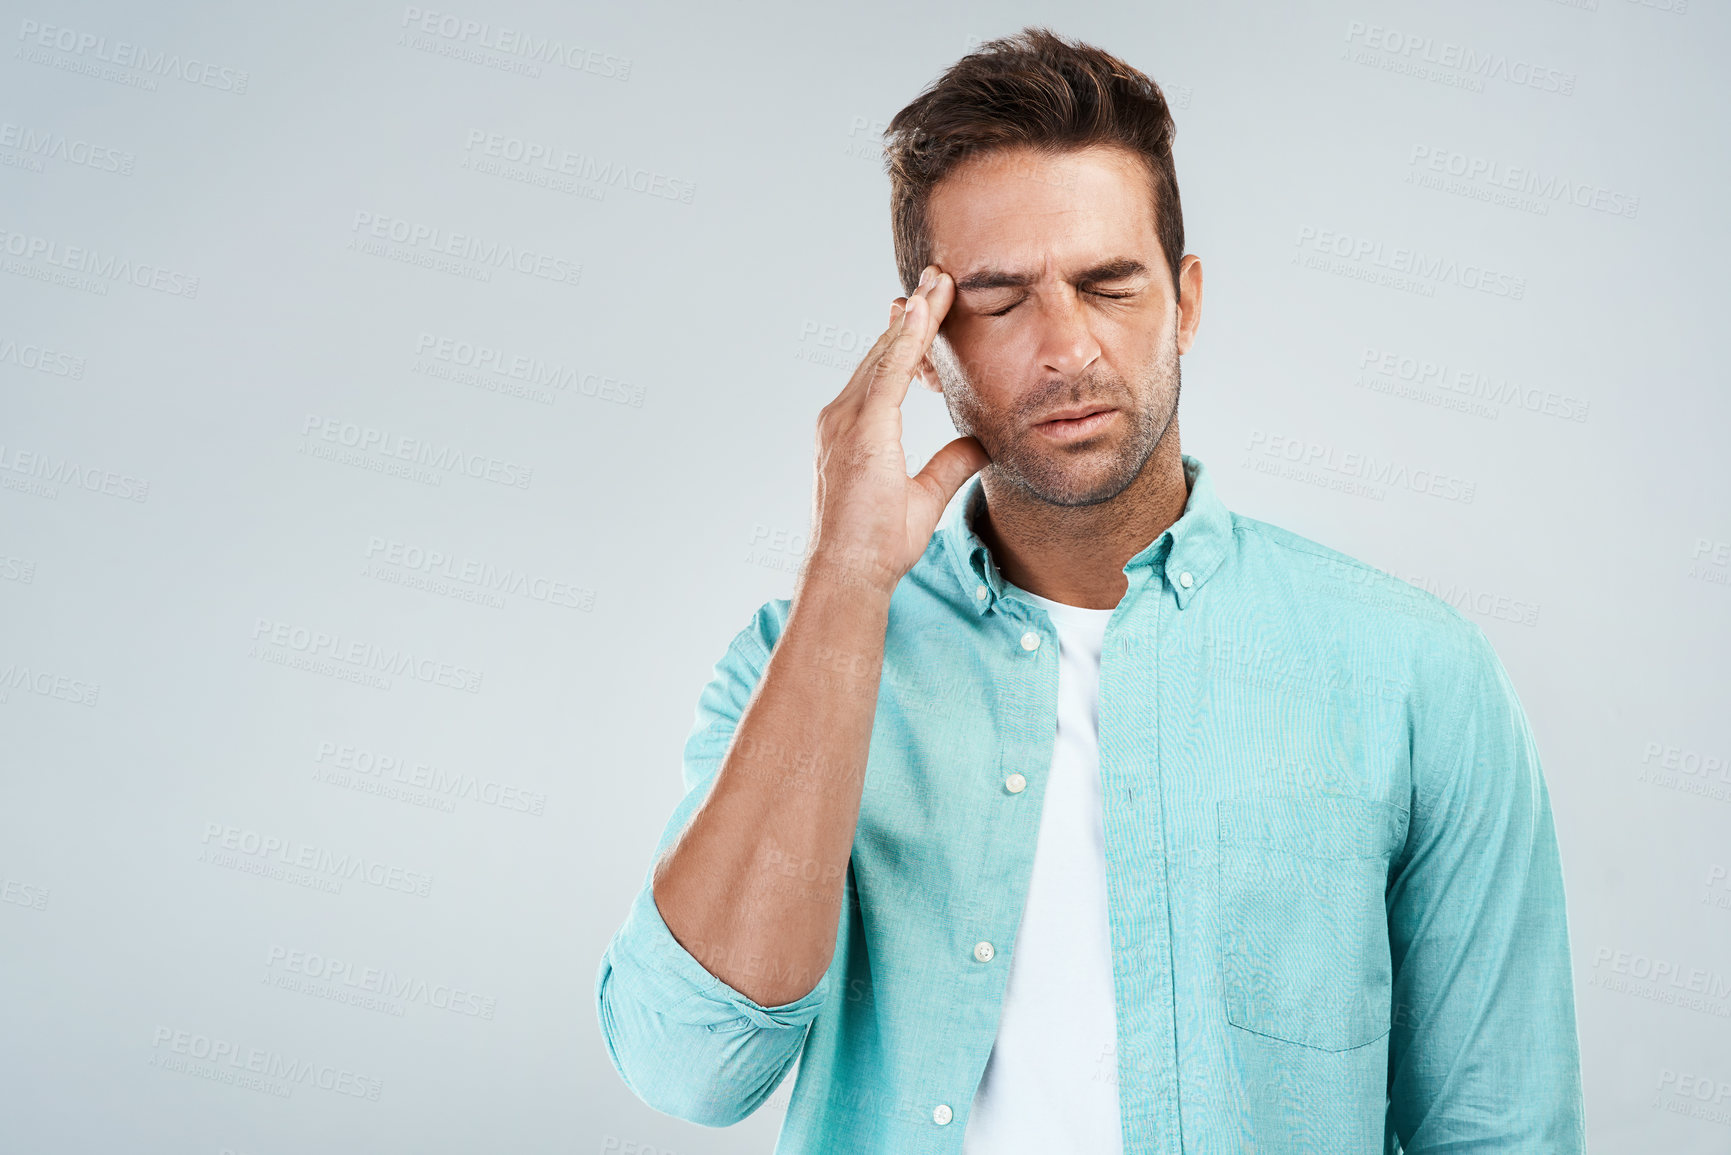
1024, 209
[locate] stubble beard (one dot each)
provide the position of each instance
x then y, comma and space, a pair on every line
1062, 475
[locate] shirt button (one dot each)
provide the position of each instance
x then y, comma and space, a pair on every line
980, 593
1030, 641
983, 951
1185, 580
941, 1114
1015, 784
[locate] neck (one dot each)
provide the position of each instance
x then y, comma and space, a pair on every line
1076, 554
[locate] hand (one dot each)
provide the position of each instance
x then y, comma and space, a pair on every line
870, 520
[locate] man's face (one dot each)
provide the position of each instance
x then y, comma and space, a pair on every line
1063, 302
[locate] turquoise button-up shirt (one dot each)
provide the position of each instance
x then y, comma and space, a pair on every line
1333, 883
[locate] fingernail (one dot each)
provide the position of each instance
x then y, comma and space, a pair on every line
911, 314
927, 275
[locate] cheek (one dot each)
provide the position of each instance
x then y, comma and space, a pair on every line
1140, 328
985, 364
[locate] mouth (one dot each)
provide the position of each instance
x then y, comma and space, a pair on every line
1071, 424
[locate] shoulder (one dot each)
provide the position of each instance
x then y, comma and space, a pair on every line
1345, 607
1325, 577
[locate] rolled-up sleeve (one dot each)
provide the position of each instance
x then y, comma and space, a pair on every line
1483, 1053
685, 1042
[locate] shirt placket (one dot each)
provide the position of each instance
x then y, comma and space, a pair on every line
1027, 665
1137, 876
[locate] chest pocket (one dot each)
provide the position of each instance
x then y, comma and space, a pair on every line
1304, 928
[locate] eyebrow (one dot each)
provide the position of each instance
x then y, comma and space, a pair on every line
1118, 269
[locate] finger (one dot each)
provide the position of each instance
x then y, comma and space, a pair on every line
887, 385
940, 296
854, 392
938, 482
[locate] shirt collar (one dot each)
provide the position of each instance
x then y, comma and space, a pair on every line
1186, 553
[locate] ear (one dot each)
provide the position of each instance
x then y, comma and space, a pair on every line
927, 374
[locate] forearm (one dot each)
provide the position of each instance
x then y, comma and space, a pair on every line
753, 887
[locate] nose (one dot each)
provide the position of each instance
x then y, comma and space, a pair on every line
1067, 344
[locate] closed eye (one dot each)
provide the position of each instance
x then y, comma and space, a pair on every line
1108, 296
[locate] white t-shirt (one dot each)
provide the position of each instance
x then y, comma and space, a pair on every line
1051, 1084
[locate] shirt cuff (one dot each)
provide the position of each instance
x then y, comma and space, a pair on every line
654, 969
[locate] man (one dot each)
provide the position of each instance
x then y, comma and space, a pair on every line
1104, 818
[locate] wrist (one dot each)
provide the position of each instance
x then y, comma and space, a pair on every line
851, 573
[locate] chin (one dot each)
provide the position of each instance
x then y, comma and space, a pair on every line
1074, 488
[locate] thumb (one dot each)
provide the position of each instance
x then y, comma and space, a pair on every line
942, 476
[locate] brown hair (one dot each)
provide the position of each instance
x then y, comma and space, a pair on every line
1037, 90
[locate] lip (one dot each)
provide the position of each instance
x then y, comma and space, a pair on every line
1086, 422
1074, 412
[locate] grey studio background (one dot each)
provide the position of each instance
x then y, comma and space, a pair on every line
400, 416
